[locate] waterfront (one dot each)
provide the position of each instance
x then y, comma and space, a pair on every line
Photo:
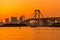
27, 33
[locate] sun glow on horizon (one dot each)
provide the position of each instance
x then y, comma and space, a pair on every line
17, 8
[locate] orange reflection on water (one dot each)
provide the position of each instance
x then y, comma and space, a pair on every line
27, 33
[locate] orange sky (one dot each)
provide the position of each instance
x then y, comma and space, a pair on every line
17, 8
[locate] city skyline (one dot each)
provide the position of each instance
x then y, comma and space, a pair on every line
35, 21
12, 20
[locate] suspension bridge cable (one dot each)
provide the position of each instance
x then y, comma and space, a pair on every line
41, 14
32, 16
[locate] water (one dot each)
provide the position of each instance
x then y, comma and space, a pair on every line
27, 33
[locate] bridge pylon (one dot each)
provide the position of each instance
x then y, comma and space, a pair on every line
37, 15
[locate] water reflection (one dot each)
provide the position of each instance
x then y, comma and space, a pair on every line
27, 33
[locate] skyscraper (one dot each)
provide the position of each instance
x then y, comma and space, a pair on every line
7, 21
1, 23
22, 19
14, 20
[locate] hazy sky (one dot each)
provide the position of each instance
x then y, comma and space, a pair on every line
17, 8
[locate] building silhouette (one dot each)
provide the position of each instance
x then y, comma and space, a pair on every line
21, 19
14, 20
7, 21
1, 23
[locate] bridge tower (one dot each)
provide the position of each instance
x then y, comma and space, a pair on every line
37, 15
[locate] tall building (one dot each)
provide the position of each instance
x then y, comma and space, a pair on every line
1, 23
22, 19
14, 20
7, 21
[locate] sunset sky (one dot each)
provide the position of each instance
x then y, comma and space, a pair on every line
8, 8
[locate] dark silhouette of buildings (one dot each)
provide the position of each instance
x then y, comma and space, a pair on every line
37, 21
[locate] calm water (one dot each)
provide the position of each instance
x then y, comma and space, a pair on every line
27, 33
